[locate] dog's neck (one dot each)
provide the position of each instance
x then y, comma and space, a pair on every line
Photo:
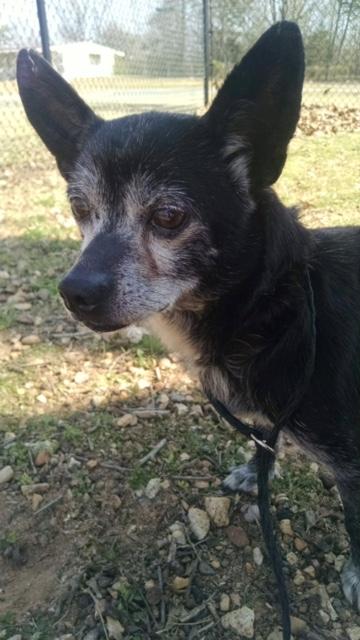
235, 340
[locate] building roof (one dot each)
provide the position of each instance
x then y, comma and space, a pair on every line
91, 47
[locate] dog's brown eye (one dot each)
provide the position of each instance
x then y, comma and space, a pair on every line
79, 208
168, 218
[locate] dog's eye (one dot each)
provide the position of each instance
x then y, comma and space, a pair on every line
168, 218
79, 208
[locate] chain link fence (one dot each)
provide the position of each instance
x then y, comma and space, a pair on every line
127, 56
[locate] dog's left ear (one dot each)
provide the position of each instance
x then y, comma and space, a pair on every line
57, 113
256, 111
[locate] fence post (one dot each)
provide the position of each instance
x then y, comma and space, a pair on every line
44, 32
206, 37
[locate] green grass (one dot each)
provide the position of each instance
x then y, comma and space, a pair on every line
322, 177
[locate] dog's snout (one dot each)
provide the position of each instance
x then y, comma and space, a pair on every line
85, 292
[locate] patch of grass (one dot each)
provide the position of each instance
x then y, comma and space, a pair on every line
321, 176
8, 540
302, 488
16, 455
72, 434
139, 477
39, 628
8, 318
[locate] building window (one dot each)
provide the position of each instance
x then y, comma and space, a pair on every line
95, 58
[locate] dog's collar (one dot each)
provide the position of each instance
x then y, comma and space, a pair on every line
249, 431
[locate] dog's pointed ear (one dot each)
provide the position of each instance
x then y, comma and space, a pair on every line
58, 114
256, 111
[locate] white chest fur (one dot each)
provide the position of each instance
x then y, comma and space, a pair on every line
212, 378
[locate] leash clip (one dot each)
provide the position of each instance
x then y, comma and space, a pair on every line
262, 443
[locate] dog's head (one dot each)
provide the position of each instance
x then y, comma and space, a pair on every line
163, 201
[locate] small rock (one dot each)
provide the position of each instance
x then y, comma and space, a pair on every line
300, 545
180, 583
241, 621
81, 377
153, 593
276, 634
354, 633
93, 634
298, 626
9, 437
115, 629
216, 564
92, 464
326, 478
235, 599
115, 502
74, 464
42, 458
39, 487
218, 510
16, 637
292, 558
298, 579
339, 563
152, 488
199, 522
286, 528
178, 533
181, 409
165, 363
224, 602
184, 457
36, 499
6, 474
164, 400
326, 603
31, 339
325, 617
310, 517
310, 571
201, 484
22, 306
258, 556
251, 512
237, 536
41, 398
127, 420
206, 569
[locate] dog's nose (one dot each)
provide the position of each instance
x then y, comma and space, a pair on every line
84, 293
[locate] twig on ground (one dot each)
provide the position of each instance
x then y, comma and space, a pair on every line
191, 478
31, 461
49, 505
97, 609
153, 453
162, 602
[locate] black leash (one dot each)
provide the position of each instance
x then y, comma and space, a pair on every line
265, 446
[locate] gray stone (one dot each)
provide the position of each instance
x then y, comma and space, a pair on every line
218, 510
275, 635
241, 621
199, 522
153, 488
6, 474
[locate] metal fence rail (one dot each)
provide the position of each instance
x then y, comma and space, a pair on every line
125, 56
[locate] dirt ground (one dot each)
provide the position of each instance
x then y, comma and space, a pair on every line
110, 448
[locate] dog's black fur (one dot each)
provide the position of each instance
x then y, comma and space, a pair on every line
181, 225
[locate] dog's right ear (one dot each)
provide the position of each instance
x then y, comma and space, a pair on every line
255, 113
57, 113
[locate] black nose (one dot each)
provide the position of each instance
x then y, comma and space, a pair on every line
84, 291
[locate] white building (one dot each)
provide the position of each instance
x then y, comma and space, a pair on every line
84, 59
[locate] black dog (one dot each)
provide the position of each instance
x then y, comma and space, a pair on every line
181, 228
